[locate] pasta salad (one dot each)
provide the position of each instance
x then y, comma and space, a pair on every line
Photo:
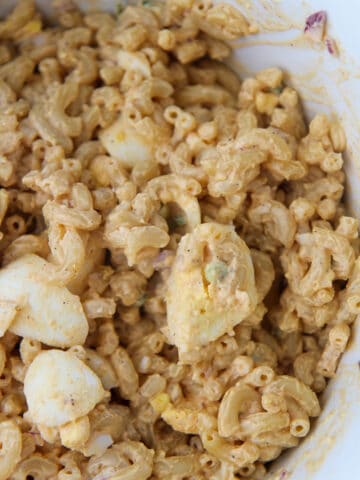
178, 272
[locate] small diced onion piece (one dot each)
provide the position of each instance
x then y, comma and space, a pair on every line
315, 25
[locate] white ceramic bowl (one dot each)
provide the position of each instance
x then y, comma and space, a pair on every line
331, 84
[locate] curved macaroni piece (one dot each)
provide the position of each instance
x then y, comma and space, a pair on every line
140, 238
280, 160
312, 282
181, 190
99, 307
299, 420
139, 16
37, 303
126, 374
47, 131
214, 272
255, 318
273, 403
123, 461
143, 97
268, 453
349, 305
4, 203
24, 67
239, 399
304, 366
279, 221
324, 188
23, 245
108, 171
75, 38
187, 420
229, 169
338, 338
28, 350
320, 274
264, 272
221, 21
71, 217
18, 18
2, 359
51, 121
135, 61
10, 448
262, 375
94, 257
180, 162
280, 438
342, 253
56, 109
125, 230
68, 251
183, 123
301, 393
102, 367
239, 456
82, 61
258, 423
203, 94
348, 227
36, 466
60, 388
177, 466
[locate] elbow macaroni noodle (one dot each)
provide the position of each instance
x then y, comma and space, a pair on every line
178, 276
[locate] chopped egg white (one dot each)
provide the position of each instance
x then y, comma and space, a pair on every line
124, 143
41, 310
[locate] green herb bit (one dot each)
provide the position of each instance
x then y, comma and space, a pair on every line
277, 90
177, 221
216, 271
120, 8
140, 301
180, 220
